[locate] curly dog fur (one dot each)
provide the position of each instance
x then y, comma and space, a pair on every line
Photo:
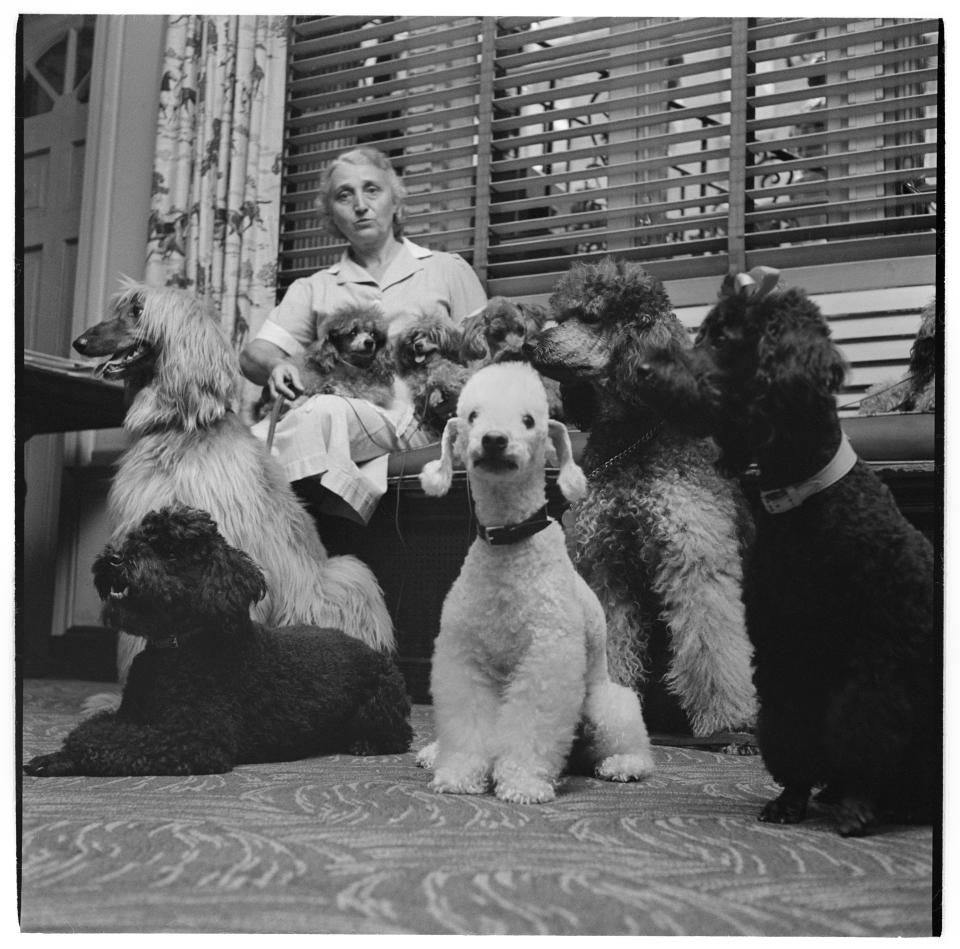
660, 533
917, 391
839, 588
190, 447
502, 326
352, 359
213, 689
520, 660
427, 356
507, 330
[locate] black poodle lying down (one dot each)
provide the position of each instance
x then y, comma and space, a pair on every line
213, 689
839, 589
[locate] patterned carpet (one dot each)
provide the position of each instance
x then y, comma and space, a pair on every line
361, 845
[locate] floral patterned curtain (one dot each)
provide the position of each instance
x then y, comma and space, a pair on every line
214, 217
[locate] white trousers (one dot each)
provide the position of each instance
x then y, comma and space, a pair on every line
344, 443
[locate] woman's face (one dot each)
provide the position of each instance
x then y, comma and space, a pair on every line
362, 204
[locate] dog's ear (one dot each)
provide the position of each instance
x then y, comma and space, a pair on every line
321, 356
571, 480
197, 372
798, 364
534, 317
631, 348
473, 342
436, 476
232, 583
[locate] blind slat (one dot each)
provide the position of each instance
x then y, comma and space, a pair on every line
632, 136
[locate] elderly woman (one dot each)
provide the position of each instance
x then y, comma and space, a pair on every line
341, 443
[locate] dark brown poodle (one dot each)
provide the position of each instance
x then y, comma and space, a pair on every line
839, 587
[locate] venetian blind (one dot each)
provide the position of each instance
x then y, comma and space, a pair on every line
693, 145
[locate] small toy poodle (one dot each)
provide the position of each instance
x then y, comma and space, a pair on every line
213, 689
917, 391
427, 355
352, 359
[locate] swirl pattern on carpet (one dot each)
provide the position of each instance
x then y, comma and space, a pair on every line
362, 845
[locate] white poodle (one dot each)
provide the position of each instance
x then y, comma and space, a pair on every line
520, 662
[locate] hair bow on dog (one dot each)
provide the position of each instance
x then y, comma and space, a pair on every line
753, 285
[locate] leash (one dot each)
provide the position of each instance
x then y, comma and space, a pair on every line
274, 418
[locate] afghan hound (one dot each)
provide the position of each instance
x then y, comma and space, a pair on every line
190, 447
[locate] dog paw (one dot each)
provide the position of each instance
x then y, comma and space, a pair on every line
786, 809
626, 767
829, 794
532, 790
854, 817
474, 784
50, 766
427, 756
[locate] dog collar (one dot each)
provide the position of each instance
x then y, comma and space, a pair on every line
620, 455
780, 500
503, 534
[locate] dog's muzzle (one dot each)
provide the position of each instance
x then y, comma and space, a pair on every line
493, 456
422, 348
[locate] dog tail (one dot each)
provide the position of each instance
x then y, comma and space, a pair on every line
338, 593
353, 601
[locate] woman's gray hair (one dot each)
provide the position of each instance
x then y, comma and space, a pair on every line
362, 155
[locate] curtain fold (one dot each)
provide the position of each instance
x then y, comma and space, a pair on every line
214, 214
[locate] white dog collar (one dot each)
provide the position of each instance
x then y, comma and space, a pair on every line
781, 500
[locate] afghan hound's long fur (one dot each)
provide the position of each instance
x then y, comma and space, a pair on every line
190, 447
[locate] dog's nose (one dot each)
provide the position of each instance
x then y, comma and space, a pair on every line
368, 344
528, 349
494, 443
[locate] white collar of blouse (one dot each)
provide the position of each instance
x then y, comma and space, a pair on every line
415, 251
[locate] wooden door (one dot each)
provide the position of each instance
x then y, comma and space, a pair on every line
57, 58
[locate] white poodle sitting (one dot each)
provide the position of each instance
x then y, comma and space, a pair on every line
520, 662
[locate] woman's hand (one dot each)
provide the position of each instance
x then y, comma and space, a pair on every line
285, 380
266, 364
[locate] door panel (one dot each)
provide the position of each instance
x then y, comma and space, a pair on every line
56, 56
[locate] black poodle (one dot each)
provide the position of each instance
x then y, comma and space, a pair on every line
214, 689
839, 587
659, 534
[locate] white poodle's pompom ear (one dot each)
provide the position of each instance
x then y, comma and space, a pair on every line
436, 476
571, 480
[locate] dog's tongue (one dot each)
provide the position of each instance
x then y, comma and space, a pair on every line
118, 362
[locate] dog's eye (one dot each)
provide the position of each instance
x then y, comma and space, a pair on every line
472, 417
528, 421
